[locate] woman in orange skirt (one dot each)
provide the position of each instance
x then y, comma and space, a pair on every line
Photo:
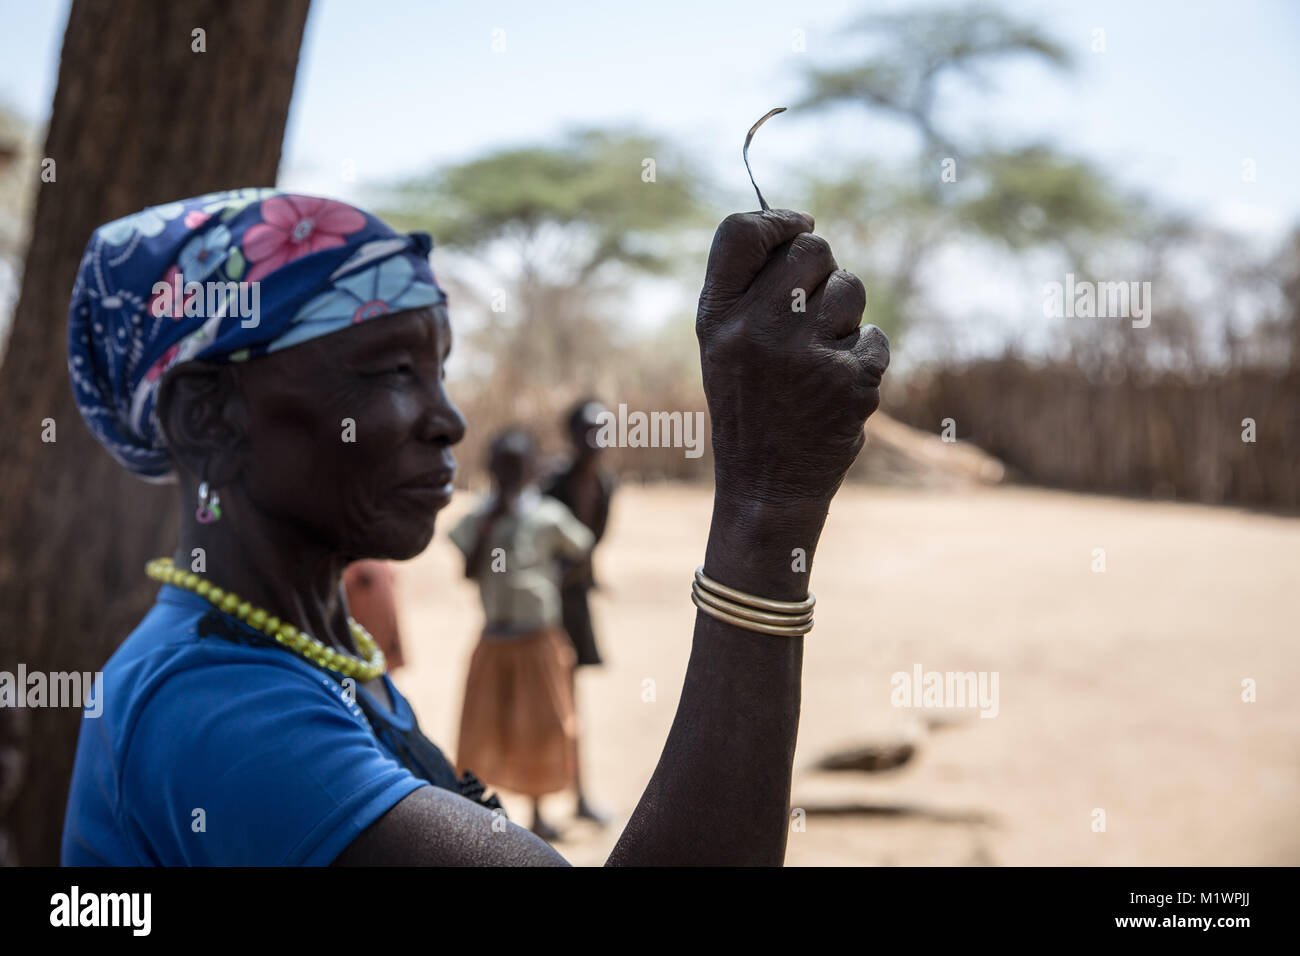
518, 727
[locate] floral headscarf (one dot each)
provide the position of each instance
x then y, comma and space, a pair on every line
223, 277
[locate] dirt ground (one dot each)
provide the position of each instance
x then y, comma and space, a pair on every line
1118, 691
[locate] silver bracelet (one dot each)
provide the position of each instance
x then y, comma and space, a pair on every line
749, 611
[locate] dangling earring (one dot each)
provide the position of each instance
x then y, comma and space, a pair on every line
209, 505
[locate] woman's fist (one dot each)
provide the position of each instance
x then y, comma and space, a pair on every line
789, 375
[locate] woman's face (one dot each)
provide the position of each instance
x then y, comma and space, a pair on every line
350, 435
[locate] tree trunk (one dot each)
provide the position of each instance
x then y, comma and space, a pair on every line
139, 118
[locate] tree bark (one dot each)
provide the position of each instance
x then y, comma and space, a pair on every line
139, 118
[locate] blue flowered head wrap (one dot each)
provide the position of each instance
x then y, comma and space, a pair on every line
223, 277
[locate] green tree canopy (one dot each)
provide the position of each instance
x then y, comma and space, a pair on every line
916, 50
597, 197
547, 240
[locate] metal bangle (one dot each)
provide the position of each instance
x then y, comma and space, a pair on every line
751, 600
749, 614
751, 625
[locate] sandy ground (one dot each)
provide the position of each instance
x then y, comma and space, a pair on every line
1119, 691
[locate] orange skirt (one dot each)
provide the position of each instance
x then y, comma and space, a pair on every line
518, 726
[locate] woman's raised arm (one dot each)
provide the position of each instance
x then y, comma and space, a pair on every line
790, 379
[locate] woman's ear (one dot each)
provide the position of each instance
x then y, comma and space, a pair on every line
202, 414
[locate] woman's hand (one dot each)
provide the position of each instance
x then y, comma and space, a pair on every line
789, 375
790, 379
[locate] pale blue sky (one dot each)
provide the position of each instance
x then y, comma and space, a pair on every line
1184, 93
1186, 90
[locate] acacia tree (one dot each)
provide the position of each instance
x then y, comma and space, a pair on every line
154, 102
887, 224
916, 52
557, 233
1027, 201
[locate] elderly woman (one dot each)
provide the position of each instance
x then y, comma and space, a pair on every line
301, 412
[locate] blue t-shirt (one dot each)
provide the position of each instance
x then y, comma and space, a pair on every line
211, 752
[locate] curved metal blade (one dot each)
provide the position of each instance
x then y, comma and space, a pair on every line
745, 152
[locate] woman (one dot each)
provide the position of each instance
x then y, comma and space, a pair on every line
245, 720
585, 488
518, 726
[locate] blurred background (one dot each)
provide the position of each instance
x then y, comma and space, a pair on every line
571, 166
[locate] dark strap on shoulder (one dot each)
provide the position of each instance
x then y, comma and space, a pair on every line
425, 759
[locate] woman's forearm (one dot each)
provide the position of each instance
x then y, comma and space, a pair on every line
788, 395
721, 791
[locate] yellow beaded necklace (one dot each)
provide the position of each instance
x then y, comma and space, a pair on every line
164, 570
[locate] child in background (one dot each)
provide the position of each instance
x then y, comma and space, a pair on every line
369, 586
518, 727
585, 488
